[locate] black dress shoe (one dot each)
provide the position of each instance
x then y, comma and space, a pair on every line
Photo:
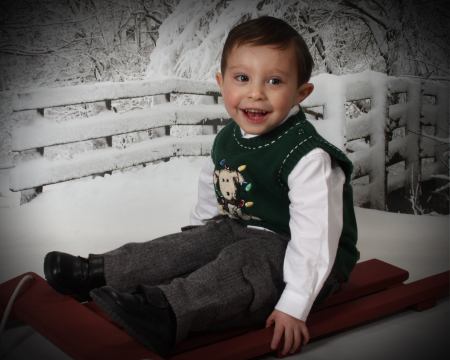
74, 275
149, 319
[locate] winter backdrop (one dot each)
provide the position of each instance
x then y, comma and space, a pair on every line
60, 43
50, 43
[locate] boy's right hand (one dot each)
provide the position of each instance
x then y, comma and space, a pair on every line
292, 328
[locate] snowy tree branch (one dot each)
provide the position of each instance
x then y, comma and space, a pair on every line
432, 137
364, 12
17, 26
23, 52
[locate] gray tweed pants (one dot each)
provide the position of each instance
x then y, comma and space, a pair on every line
215, 276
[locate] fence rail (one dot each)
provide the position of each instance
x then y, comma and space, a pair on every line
43, 98
379, 121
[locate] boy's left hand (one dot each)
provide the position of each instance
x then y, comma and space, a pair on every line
293, 330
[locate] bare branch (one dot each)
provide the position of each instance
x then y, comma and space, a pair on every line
365, 13
159, 22
380, 7
24, 52
28, 25
432, 137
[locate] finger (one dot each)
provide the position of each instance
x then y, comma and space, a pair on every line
269, 321
306, 336
288, 339
297, 340
277, 333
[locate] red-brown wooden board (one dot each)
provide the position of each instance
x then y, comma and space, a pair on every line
330, 320
83, 334
367, 277
76, 330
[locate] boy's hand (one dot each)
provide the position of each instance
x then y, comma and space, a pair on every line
293, 330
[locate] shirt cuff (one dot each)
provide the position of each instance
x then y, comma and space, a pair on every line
294, 304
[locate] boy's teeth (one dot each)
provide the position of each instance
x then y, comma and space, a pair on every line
256, 111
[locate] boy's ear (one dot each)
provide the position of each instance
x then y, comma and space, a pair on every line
304, 91
219, 80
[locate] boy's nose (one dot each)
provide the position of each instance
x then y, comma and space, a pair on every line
256, 92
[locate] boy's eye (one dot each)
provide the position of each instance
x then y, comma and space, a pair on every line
274, 81
241, 77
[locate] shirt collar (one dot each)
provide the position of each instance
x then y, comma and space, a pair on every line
294, 110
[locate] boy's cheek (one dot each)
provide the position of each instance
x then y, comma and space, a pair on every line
231, 103
230, 109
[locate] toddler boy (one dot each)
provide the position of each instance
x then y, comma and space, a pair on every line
273, 232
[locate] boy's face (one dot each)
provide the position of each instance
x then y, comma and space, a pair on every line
260, 86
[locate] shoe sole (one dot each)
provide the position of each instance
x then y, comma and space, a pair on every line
117, 315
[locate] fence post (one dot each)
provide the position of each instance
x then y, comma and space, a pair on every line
412, 133
167, 128
216, 101
379, 118
108, 106
30, 194
442, 126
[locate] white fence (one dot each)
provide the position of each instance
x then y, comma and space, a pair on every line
378, 120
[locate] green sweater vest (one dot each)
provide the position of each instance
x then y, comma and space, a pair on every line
250, 179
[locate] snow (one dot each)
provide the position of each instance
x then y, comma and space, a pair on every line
46, 133
361, 85
97, 215
442, 94
397, 113
329, 91
191, 39
45, 97
358, 145
429, 114
377, 83
419, 116
396, 179
361, 161
412, 128
101, 213
43, 171
358, 128
396, 147
333, 91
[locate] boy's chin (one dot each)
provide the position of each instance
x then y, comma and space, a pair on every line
258, 126
257, 129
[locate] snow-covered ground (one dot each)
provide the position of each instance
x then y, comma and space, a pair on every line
96, 215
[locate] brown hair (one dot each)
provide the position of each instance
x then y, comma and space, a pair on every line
267, 30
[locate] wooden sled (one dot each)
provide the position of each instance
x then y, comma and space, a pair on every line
375, 289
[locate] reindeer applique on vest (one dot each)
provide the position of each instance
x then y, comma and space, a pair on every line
229, 185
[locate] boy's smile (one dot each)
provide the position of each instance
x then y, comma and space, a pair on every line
259, 86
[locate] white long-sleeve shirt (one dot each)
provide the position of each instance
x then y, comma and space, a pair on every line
315, 194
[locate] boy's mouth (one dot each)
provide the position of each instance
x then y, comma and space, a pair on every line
255, 116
